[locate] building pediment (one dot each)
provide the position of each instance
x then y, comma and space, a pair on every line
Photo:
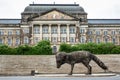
53, 15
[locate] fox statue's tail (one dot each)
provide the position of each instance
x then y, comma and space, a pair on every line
99, 62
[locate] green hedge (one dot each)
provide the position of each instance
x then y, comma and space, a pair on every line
42, 48
102, 48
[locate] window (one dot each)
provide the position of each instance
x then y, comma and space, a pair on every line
36, 30
113, 40
54, 39
45, 29
90, 33
63, 39
26, 40
9, 32
106, 39
90, 40
105, 32
36, 39
97, 32
54, 30
17, 41
26, 30
98, 40
72, 39
72, 30
82, 40
1, 32
63, 30
17, 32
113, 32
9, 41
1, 41
82, 31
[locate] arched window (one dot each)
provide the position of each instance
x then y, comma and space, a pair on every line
9, 41
90, 40
106, 39
17, 41
113, 40
26, 40
82, 39
97, 40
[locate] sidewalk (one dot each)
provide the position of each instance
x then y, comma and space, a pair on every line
77, 75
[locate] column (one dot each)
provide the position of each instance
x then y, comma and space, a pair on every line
58, 32
32, 38
41, 32
5, 40
68, 34
49, 32
77, 34
14, 41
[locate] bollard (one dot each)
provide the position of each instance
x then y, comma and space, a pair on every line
32, 72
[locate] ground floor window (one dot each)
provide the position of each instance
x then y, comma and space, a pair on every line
82, 39
90, 40
98, 40
63, 39
26, 40
17, 41
72, 39
9, 41
113, 40
36, 39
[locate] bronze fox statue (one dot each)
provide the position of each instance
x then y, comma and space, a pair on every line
83, 57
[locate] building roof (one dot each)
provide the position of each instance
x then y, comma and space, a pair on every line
10, 21
90, 21
103, 21
40, 8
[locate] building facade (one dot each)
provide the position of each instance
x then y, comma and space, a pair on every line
58, 23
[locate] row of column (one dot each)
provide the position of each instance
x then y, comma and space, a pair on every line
50, 25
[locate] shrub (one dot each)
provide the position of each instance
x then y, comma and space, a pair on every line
44, 48
23, 50
65, 47
102, 48
6, 50
116, 50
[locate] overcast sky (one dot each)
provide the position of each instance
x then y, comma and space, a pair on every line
101, 9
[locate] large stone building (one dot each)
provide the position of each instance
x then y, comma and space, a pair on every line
57, 23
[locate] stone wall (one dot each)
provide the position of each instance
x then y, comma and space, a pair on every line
23, 64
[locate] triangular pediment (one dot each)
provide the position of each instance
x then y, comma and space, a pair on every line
54, 14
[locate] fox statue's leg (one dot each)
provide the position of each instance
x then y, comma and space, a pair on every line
72, 66
88, 67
